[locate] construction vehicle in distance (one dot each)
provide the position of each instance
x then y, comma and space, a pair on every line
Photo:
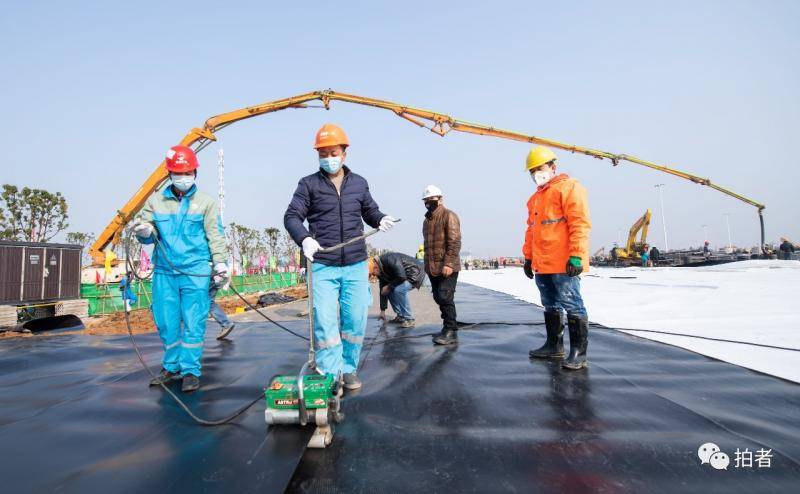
632, 252
438, 123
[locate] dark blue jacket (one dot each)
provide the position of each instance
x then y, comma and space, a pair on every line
332, 218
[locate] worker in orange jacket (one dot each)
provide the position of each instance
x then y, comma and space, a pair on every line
556, 251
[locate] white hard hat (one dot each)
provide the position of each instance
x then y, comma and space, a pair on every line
431, 191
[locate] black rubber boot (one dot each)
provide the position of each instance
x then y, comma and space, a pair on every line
446, 337
554, 346
578, 341
190, 383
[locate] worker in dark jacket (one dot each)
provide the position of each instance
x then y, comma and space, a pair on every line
654, 253
397, 274
787, 249
442, 233
335, 201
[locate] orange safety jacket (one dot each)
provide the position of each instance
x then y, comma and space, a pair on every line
558, 226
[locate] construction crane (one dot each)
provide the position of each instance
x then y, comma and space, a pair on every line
634, 249
438, 123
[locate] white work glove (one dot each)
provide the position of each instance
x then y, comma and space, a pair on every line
220, 274
310, 247
143, 229
387, 222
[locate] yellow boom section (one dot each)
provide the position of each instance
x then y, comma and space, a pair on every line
438, 123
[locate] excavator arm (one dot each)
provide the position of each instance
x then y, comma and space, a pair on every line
642, 224
438, 123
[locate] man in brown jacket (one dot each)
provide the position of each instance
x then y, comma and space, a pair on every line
442, 233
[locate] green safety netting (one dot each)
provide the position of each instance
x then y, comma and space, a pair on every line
106, 298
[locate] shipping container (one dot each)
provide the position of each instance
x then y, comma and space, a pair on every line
39, 272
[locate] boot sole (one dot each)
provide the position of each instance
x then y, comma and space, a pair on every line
445, 343
151, 383
551, 356
582, 365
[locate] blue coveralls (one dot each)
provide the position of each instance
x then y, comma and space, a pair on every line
190, 232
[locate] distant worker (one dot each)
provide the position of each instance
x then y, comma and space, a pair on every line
654, 255
218, 314
397, 275
706, 249
187, 226
645, 256
787, 249
556, 250
421, 253
442, 232
334, 201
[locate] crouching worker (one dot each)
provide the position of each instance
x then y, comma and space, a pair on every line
334, 201
557, 250
187, 227
397, 274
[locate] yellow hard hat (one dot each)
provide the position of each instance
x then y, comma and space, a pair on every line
421, 247
539, 156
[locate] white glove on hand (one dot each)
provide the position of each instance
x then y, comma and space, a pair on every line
310, 247
220, 274
143, 229
387, 223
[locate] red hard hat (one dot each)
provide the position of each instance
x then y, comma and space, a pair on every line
181, 159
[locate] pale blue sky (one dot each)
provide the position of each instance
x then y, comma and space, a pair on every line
94, 93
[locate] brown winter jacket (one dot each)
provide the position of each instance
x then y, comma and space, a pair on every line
442, 233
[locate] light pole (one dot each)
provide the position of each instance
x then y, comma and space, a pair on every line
221, 182
663, 220
728, 224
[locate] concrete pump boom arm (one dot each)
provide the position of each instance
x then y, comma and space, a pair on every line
438, 123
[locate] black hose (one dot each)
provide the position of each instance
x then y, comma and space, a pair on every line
177, 399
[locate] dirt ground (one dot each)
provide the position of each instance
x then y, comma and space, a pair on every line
142, 320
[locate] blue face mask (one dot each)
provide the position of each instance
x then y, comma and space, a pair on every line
182, 182
332, 164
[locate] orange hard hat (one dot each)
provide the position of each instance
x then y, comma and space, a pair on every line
181, 159
330, 135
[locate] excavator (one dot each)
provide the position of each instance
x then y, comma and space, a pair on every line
438, 123
633, 250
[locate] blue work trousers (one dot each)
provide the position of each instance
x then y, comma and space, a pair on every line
215, 310
341, 296
398, 297
181, 299
560, 292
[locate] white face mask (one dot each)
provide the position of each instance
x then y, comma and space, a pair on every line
541, 177
182, 182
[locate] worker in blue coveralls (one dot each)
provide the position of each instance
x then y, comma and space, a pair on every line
334, 201
187, 225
